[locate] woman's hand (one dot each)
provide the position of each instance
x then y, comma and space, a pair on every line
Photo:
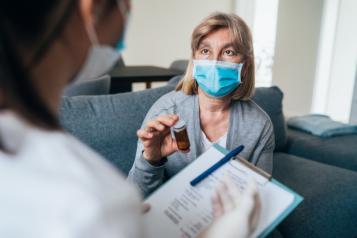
235, 213
157, 139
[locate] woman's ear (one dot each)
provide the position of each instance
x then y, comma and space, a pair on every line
86, 11
92, 10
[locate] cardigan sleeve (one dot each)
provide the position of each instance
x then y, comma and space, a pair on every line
263, 154
144, 175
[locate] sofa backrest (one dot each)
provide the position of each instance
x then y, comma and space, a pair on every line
99, 86
271, 101
108, 123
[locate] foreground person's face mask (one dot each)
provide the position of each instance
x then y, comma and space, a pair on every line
217, 78
101, 58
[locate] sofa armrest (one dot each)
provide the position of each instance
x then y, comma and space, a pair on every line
338, 151
329, 192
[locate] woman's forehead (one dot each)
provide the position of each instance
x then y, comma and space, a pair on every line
220, 38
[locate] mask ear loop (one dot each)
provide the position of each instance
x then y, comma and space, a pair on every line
123, 9
194, 82
92, 34
243, 71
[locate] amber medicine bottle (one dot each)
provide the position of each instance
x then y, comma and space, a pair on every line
181, 136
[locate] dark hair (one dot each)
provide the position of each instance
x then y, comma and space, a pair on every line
30, 24
33, 25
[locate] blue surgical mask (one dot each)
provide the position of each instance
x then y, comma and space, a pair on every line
217, 78
101, 58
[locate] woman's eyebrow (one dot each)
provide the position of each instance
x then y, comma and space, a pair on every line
203, 44
225, 46
228, 45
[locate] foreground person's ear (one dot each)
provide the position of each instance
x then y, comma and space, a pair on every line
91, 11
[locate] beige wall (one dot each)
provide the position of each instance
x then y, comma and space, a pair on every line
159, 30
296, 50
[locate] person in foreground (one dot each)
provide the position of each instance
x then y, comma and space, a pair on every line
51, 184
213, 98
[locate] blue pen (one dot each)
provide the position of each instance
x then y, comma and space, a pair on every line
217, 165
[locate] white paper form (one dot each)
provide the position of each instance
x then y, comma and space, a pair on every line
180, 210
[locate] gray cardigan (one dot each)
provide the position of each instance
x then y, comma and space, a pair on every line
249, 125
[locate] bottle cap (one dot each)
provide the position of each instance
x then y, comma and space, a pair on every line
179, 125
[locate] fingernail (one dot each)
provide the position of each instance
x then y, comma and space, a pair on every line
145, 208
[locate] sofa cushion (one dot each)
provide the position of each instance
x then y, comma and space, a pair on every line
330, 195
99, 86
321, 125
271, 101
108, 123
339, 150
179, 65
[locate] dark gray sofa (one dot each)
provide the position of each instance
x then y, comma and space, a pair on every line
108, 124
339, 151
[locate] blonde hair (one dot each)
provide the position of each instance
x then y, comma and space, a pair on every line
242, 42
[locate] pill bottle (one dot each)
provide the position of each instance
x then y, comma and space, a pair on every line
181, 136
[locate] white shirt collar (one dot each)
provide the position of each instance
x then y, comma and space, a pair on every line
222, 141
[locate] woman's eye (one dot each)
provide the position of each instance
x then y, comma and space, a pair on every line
204, 51
230, 52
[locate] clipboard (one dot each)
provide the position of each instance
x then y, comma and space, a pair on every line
297, 198
180, 210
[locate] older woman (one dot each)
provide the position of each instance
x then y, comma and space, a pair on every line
213, 98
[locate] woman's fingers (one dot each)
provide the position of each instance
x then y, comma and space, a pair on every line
155, 126
236, 213
254, 217
167, 120
145, 207
144, 134
174, 146
227, 200
233, 191
228, 196
156, 137
147, 143
217, 205
250, 191
162, 122
252, 204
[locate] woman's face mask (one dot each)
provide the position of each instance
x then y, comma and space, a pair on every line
101, 58
217, 78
